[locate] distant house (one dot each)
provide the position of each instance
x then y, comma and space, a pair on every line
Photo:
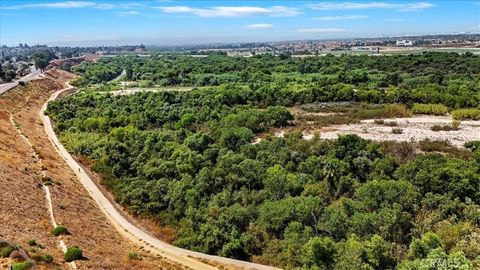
404, 42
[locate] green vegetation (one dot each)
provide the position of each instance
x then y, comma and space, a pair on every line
5, 249
46, 258
134, 256
73, 253
42, 58
450, 79
32, 242
187, 159
59, 230
436, 109
22, 265
465, 114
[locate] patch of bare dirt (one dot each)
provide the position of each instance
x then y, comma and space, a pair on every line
415, 128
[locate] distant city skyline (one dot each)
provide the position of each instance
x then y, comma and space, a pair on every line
164, 22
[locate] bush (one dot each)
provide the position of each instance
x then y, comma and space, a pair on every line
397, 131
59, 230
473, 145
134, 256
455, 125
72, 254
462, 114
46, 258
32, 242
385, 123
428, 145
22, 265
435, 109
6, 251
387, 111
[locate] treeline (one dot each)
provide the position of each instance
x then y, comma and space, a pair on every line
447, 78
188, 161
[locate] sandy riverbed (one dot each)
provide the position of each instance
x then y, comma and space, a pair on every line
415, 128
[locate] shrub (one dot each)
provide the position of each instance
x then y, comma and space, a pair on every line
59, 230
6, 251
72, 254
462, 114
388, 111
435, 109
397, 110
397, 130
32, 242
134, 256
455, 125
47, 180
473, 145
428, 145
22, 265
46, 258
385, 123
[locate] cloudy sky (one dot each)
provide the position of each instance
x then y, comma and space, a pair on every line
171, 22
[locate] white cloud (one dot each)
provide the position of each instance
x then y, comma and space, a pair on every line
66, 4
231, 11
339, 18
126, 13
321, 30
369, 5
259, 26
75, 4
118, 5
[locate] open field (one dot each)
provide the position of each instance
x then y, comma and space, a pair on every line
416, 128
410, 129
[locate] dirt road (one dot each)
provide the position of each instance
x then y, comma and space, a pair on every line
122, 224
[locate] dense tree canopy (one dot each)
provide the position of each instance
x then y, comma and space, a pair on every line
188, 161
448, 78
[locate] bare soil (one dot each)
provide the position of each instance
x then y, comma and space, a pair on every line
415, 128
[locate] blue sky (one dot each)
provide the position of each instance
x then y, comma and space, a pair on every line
171, 22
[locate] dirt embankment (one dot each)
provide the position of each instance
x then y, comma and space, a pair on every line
24, 212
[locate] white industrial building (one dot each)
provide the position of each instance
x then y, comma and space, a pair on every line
404, 42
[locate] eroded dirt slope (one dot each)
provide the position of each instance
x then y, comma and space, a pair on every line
24, 213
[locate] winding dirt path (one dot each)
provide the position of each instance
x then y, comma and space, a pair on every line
125, 226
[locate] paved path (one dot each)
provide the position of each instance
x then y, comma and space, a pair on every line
7, 86
126, 227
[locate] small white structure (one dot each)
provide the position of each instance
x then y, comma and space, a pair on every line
404, 42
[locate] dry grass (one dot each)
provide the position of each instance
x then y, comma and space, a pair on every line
323, 115
444, 147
